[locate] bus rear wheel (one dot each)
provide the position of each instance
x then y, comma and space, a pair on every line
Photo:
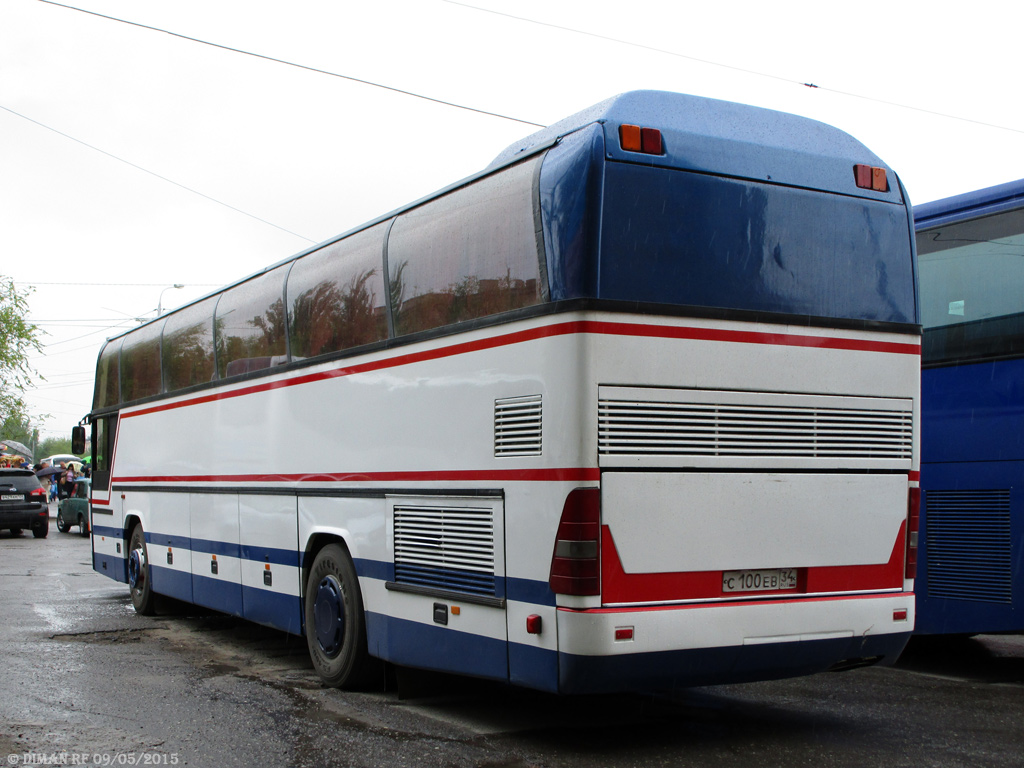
139, 574
335, 624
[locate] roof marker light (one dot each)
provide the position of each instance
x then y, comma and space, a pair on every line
629, 137
871, 177
633, 138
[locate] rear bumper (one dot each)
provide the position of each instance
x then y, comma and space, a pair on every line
710, 644
24, 518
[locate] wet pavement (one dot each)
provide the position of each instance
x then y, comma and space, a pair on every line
83, 675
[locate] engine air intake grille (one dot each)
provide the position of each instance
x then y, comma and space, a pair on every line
518, 426
740, 425
967, 545
445, 547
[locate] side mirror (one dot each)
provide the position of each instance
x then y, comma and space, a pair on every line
78, 440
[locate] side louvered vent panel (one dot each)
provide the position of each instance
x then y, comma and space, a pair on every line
757, 425
445, 548
518, 426
967, 536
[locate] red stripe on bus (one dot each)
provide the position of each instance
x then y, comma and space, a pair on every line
566, 474
559, 329
617, 586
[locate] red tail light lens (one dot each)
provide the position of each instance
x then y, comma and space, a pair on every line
913, 525
38, 492
576, 561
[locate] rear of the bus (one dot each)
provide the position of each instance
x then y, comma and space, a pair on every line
750, 395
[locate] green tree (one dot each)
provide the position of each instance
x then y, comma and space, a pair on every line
18, 339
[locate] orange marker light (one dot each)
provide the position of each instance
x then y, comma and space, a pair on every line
630, 138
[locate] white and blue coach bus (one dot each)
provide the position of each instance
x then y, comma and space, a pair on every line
633, 408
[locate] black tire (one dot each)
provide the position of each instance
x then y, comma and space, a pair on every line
83, 522
335, 623
15, 531
139, 574
62, 526
40, 531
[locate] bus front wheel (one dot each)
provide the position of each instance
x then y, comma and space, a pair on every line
139, 574
335, 624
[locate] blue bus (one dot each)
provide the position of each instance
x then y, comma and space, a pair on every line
971, 557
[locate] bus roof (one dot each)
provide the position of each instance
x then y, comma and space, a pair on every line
725, 138
969, 205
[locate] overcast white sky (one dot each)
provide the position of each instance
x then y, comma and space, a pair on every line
316, 155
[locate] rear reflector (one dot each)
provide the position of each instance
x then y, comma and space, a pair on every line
533, 624
576, 561
913, 526
899, 614
623, 633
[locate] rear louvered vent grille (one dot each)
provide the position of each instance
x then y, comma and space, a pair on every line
445, 548
518, 426
967, 541
756, 425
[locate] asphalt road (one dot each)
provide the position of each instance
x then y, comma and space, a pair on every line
85, 679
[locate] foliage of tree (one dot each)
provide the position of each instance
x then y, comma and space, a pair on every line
53, 445
18, 339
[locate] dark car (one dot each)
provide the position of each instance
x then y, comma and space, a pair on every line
23, 503
74, 510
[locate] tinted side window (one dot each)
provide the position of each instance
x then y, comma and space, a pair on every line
140, 363
336, 295
972, 284
108, 375
250, 325
188, 346
468, 254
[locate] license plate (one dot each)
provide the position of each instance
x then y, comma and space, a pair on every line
768, 580
12, 497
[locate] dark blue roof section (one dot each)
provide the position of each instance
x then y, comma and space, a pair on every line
726, 139
980, 202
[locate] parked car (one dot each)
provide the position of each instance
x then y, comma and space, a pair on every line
74, 510
23, 503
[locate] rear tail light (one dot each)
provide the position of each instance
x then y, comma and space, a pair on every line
913, 525
633, 138
576, 562
38, 492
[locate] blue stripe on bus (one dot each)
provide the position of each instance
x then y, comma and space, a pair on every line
430, 646
219, 594
274, 609
105, 530
533, 667
668, 670
374, 569
273, 555
167, 581
529, 591
116, 567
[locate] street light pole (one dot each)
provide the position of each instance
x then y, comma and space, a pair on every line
160, 301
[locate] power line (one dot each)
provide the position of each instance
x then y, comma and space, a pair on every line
754, 72
296, 65
153, 173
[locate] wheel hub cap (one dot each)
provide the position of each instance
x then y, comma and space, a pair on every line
329, 615
135, 565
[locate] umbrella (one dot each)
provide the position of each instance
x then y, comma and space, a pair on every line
50, 471
19, 447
